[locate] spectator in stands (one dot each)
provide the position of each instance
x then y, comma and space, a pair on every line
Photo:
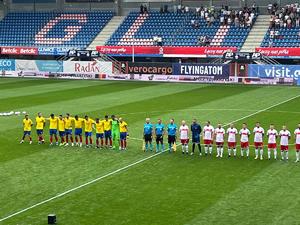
285, 17
297, 22
143, 9
198, 11
179, 9
186, 9
193, 23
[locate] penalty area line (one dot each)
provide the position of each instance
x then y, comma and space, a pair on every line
128, 166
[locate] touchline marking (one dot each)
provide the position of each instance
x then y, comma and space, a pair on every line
128, 166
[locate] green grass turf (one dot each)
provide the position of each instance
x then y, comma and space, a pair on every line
166, 189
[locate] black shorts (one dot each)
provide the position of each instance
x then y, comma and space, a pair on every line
159, 138
148, 137
171, 139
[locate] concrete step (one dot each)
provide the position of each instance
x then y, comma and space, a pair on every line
106, 32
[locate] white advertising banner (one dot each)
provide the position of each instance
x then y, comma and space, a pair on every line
87, 67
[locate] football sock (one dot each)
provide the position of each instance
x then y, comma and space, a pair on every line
146, 146
182, 148
91, 140
193, 148
218, 151
71, 138
297, 155
229, 151
187, 148
67, 139
151, 146
222, 151
242, 152
282, 155
80, 139
275, 153
247, 152
170, 146
269, 153
51, 139
199, 147
62, 140
234, 152
256, 152
110, 142
286, 155
76, 139
97, 142
56, 138
261, 152
157, 147
210, 150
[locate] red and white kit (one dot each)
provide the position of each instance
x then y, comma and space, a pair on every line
272, 135
184, 134
284, 140
244, 137
258, 136
297, 137
232, 132
208, 134
219, 132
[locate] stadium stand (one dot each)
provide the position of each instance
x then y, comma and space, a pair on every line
284, 30
178, 29
51, 29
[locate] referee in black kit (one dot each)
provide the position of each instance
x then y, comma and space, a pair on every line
196, 131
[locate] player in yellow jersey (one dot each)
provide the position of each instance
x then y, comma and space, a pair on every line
40, 124
88, 128
78, 122
123, 133
27, 124
61, 130
68, 129
107, 131
53, 128
99, 133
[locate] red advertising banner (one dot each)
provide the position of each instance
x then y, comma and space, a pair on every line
279, 52
165, 51
19, 51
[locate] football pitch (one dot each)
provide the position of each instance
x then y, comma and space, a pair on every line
91, 187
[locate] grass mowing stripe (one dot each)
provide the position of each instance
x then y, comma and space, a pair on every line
124, 168
64, 95
20, 82
23, 92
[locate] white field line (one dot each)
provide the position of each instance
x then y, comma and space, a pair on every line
126, 167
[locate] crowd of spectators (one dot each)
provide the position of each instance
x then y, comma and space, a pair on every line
286, 17
240, 18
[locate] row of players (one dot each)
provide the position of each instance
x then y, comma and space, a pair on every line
211, 134
113, 130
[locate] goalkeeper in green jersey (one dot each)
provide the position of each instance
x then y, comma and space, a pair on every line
115, 131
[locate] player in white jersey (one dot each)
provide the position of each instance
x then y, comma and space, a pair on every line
208, 136
272, 136
285, 135
184, 137
258, 132
219, 135
297, 144
244, 133
231, 133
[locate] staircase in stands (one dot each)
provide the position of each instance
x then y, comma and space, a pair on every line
256, 34
106, 32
